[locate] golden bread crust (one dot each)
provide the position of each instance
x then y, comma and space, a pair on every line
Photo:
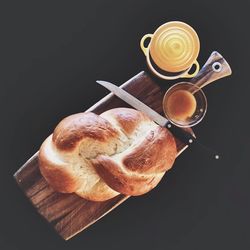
155, 154
72, 129
99, 156
57, 173
140, 170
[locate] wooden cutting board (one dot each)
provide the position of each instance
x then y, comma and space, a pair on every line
70, 214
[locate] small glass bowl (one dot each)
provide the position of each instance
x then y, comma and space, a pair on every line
201, 104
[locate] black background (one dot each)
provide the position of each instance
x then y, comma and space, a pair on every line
51, 55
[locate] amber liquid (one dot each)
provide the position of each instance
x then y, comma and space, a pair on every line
180, 105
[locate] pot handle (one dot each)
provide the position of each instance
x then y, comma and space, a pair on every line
143, 48
187, 75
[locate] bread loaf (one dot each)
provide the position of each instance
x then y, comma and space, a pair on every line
99, 156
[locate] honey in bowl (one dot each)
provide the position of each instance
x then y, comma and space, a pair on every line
184, 104
181, 105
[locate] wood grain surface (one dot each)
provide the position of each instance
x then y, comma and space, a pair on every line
68, 213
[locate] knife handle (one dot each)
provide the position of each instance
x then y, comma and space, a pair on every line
187, 138
181, 134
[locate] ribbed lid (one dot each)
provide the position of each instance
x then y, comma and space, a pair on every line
174, 46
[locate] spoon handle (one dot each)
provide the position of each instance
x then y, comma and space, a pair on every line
215, 68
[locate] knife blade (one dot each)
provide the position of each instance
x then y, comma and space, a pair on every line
181, 134
134, 102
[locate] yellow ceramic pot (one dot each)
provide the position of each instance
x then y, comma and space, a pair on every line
173, 48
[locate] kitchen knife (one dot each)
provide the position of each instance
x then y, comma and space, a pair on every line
216, 67
179, 133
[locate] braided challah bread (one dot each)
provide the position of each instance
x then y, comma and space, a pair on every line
99, 156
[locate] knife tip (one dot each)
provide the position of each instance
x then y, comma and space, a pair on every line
103, 83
